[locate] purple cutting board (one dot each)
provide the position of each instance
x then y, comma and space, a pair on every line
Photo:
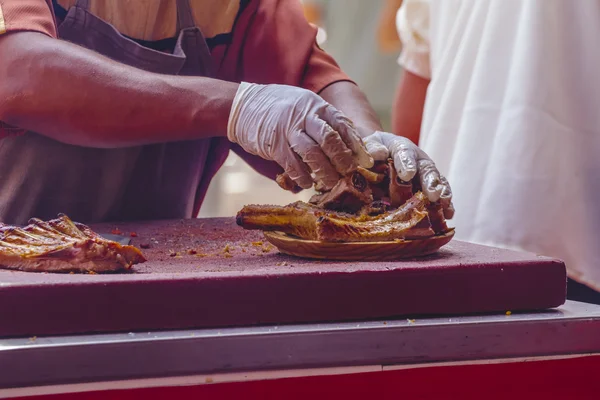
254, 284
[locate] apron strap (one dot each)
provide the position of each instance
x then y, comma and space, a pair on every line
185, 17
85, 4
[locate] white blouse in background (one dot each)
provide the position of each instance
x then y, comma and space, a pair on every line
512, 118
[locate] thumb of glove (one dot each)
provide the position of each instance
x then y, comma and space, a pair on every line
376, 148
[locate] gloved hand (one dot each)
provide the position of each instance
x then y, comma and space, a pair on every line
297, 129
410, 160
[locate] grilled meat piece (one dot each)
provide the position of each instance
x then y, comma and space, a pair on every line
371, 176
436, 217
408, 221
314, 223
350, 194
298, 219
61, 245
366, 205
286, 183
399, 191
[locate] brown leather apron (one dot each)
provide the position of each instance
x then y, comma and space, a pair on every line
40, 177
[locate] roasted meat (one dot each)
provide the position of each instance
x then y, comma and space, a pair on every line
350, 194
365, 206
286, 183
401, 223
298, 219
359, 191
61, 245
306, 221
399, 192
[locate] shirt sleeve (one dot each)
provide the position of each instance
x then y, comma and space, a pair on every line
27, 15
280, 47
412, 22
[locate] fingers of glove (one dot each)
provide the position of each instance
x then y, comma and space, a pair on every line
449, 211
345, 128
446, 198
431, 183
312, 155
405, 158
376, 149
295, 168
446, 195
340, 156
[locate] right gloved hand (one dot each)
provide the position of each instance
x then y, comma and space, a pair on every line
297, 129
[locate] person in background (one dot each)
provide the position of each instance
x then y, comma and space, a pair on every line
127, 109
503, 95
387, 34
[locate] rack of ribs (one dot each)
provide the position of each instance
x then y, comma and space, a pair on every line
61, 245
365, 206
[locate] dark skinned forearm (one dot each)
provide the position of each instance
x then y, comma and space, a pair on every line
79, 97
349, 99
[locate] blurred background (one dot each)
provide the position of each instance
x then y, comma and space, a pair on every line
361, 36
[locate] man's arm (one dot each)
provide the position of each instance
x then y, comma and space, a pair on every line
79, 97
349, 99
407, 111
408, 106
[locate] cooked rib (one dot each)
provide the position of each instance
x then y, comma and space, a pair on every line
61, 245
298, 219
313, 223
399, 192
367, 205
350, 194
286, 183
410, 220
436, 216
370, 176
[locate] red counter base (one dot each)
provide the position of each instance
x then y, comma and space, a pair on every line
576, 378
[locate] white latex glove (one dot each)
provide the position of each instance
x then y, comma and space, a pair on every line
297, 129
410, 160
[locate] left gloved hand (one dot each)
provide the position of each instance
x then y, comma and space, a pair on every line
410, 161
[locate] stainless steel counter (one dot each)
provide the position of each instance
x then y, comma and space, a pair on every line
25, 362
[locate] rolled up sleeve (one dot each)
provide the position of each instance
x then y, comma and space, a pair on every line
281, 47
412, 22
24, 15
27, 15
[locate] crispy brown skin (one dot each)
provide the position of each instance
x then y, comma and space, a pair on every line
298, 219
365, 206
286, 183
61, 245
350, 194
399, 192
398, 224
314, 223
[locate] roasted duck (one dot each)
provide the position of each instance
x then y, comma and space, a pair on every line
365, 206
61, 245
306, 221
